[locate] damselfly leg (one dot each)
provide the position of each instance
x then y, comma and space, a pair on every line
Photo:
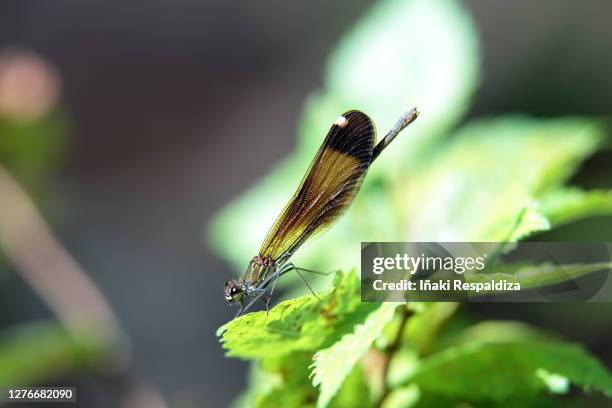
259, 292
256, 294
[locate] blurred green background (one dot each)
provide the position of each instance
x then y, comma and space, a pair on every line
130, 124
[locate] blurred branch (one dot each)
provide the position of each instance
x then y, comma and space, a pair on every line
47, 267
29, 89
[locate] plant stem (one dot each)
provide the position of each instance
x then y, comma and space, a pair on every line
390, 352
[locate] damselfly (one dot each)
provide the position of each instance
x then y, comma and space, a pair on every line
326, 191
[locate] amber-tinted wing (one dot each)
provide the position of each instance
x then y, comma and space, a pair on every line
329, 186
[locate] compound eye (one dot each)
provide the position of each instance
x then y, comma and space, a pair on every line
235, 290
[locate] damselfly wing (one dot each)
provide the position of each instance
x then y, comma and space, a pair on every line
327, 190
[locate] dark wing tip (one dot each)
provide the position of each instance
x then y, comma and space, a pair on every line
353, 133
357, 117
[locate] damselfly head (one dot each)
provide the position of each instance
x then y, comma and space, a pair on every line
233, 291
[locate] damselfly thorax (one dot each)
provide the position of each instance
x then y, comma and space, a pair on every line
258, 269
327, 190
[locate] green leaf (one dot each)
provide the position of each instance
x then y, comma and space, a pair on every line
301, 324
354, 391
40, 352
564, 205
496, 331
500, 372
482, 185
531, 220
266, 377
333, 364
287, 383
391, 47
423, 327
402, 397
283, 382
536, 276
430, 400
557, 384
